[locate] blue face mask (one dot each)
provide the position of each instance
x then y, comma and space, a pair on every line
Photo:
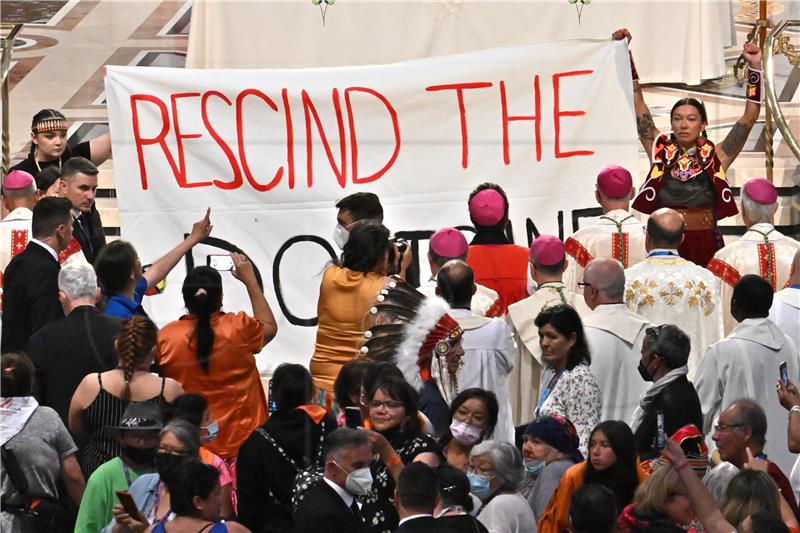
533, 467
213, 431
479, 485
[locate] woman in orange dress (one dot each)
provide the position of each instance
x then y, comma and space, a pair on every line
212, 353
347, 291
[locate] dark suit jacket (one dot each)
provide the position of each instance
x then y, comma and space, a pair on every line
67, 350
30, 296
322, 510
92, 245
680, 405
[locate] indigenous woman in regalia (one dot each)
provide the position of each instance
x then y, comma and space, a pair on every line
688, 170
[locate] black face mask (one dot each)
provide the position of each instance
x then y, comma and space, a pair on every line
167, 464
140, 456
643, 372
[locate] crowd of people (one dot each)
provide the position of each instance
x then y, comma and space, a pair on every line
633, 377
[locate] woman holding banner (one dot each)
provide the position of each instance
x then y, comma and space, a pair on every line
688, 170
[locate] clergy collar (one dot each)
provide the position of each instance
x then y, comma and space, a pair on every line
655, 252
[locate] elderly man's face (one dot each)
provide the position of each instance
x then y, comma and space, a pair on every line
730, 435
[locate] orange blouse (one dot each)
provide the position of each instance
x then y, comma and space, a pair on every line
503, 268
232, 386
556, 517
345, 296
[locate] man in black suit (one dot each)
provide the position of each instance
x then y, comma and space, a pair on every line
79, 186
415, 498
330, 505
30, 294
79, 344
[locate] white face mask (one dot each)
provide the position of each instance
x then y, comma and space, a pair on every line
340, 236
358, 482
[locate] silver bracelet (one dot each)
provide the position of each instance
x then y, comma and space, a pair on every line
794, 409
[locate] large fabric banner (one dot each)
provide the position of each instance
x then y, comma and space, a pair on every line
270, 151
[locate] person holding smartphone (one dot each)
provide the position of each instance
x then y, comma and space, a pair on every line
665, 352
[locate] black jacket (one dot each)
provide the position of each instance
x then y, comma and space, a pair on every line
67, 350
680, 405
92, 237
30, 296
323, 511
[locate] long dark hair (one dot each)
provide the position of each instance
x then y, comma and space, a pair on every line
488, 398
399, 390
38, 117
202, 295
366, 246
114, 265
566, 321
695, 103
622, 477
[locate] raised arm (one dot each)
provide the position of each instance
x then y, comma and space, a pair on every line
645, 126
729, 148
100, 149
243, 271
704, 505
159, 270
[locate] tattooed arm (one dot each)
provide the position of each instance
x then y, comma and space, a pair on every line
644, 120
728, 149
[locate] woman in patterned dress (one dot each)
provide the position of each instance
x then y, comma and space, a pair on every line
393, 411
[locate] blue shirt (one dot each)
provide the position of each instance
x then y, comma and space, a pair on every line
121, 306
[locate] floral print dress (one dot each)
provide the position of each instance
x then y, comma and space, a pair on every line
576, 396
378, 506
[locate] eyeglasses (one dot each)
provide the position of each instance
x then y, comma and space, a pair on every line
583, 284
389, 405
723, 428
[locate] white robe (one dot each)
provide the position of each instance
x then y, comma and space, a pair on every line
667, 289
749, 255
602, 239
615, 337
15, 232
745, 365
526, 377
482, 301
785, 312
487, 361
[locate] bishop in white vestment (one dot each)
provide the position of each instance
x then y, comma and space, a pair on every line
785, 310
526, 375
617, 233
746, 365
762, 250
615, 336
19, 197
667, 289
447, 244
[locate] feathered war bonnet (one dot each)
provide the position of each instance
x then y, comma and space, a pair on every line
407, 329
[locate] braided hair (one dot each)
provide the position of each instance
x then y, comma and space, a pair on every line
37, 118
134, 344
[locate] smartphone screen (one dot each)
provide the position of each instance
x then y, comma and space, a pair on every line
661, 438
221, 262
784, 374
352, 417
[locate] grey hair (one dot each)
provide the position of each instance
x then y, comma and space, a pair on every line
78, 280
758, 212
344, 439
670, 343
612, 284
796, 261
186, 433
26, 192
752, 415
507, 461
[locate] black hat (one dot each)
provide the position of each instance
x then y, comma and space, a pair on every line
144, 416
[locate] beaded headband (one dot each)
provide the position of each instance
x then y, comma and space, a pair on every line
50, 124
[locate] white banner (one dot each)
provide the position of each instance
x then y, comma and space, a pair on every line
272, 150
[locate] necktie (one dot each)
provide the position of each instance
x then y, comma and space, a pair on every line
354, 508
83, 225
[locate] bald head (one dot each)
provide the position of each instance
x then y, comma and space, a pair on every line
665, 229
607, 277
455, 282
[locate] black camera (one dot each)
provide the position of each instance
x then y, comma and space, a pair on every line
400, 244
